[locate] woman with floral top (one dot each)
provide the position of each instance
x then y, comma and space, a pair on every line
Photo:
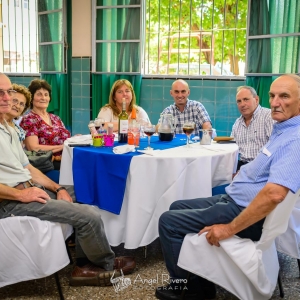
44, 131
20, 102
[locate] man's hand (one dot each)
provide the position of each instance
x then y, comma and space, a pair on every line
33, 194
216, 233
64, 195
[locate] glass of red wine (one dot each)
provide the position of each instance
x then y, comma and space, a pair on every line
188, 128
149, 130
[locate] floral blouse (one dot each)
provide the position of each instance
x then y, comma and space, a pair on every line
56, 134
20, 131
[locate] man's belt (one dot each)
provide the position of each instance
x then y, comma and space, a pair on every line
24, 185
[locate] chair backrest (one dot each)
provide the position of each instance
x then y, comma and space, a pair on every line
276, 222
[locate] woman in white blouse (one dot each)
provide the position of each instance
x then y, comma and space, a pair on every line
121, 88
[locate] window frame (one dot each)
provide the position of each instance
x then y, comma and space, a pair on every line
95, 7
63, 42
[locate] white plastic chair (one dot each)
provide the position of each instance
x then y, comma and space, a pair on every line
245, 268
32, 249
289, 242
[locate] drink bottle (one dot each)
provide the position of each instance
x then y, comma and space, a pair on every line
123, 124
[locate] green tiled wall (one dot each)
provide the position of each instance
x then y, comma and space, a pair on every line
24, 80
81, 94
218, 97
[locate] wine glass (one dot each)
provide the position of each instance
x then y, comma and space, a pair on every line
149, 130
99, 122
142, 122
188, 128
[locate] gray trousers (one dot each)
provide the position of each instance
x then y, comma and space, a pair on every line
91, 240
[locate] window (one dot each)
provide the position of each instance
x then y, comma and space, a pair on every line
117, 36
195, 37
18, 42
52, 36
273, 42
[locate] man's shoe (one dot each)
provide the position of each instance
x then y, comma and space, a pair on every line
126, 263
169, 292
90, 274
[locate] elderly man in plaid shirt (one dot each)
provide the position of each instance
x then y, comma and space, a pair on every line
185, 110
253, 128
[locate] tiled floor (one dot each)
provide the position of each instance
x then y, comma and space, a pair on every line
143, 281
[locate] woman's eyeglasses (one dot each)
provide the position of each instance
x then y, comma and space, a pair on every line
16, 102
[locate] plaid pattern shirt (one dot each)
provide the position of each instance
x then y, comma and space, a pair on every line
193, 111
251, 138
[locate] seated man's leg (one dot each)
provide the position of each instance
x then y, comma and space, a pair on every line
195, 203
92, 240
175, 224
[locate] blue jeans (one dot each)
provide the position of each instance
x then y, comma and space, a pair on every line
91, 241
190, 216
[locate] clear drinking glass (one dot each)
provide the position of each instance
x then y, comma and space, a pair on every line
135, 129
149, 130
188, 128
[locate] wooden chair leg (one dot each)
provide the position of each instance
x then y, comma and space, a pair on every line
298, 261
61, 296
184, 290
281, 292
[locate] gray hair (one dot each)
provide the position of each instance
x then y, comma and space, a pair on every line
249, 88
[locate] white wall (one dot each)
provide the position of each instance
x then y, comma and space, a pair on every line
81, 28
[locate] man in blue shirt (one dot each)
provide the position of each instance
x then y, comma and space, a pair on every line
255, 191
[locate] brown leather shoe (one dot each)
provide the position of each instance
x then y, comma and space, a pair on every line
90, 274
126, 263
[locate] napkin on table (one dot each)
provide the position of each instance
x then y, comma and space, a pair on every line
80, 139
124, 149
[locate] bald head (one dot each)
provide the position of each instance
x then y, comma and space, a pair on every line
5, 97
180, 92
285, 97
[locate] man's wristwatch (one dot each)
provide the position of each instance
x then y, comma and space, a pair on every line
59, 189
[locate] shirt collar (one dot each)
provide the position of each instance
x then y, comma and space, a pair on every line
186, 105
279, 127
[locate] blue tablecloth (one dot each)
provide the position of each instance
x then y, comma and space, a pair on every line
100, 176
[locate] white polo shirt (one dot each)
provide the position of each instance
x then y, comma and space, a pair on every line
12, 158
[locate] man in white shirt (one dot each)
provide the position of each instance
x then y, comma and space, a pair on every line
25, 191
253, 128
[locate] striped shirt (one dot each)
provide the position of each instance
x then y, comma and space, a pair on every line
193, 111
277, 162
251, 138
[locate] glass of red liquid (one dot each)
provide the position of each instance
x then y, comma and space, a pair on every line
188, 128
149, 130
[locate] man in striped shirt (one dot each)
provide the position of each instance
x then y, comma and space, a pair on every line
184, 110
254, 192
253, 128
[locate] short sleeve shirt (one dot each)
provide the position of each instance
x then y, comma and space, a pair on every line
53, 135
193, 111
12, 158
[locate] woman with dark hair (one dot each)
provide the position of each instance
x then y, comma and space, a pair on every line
44, 131
20, 103
121, 88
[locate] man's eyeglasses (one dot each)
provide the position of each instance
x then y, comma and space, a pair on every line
16, 102
8, 92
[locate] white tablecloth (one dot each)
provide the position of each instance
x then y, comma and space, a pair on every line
154, 182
